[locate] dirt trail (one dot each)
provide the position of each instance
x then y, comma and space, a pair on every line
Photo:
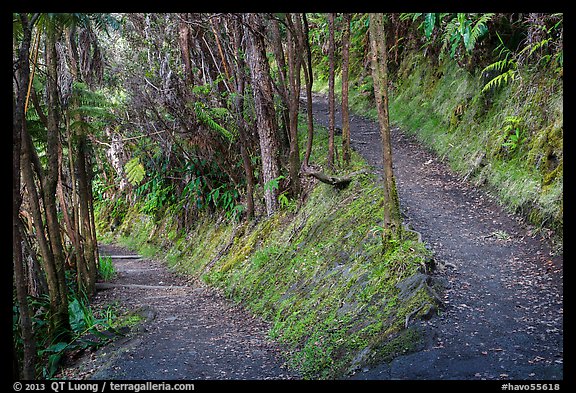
192, 332
504, 314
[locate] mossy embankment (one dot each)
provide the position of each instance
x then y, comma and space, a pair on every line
510, 139
335, 295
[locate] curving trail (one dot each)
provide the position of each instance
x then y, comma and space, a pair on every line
192, 332
504, 302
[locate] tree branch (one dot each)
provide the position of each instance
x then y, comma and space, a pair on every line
338, 182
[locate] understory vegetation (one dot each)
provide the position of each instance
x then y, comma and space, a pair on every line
510, 139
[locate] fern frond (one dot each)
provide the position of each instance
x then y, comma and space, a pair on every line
500, 66
135, 171
480, 28
534, 47
450, 31
205, 118
500, 80
82, 125
410, 15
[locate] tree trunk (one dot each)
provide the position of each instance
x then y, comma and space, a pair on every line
309, 78
282, 88
19, 122
294, 65
60, 323
331, 102
264, 106
242, 134
90, 270
392, 217
345, 109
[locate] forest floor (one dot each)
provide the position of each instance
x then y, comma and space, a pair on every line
504, 299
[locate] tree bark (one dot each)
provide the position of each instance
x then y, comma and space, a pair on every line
345, 108
282, 88
90, 271
331, 102
294, 66
242, 133
19, 122
59, 300
309, 79
264, 105
336, 181
392, 217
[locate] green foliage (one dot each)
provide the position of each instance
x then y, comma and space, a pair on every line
514, 133
135, 171
283, 199
93, 111
205, 116
157, 194
225, 198
502, 79
274, 183
507, 68
464, 30
456, 31
106, 268
87, 330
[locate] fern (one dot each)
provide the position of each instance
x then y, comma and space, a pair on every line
497, 66
479, 30
461, 29
500, 80
207, 120
134, 171
506, 67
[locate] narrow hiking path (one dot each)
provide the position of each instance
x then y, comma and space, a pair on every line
191, 331
504, 298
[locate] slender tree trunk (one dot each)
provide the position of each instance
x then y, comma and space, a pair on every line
294, 66
19, 122
88, 282
345, 109
184, 41
242, 133
309, 78
85, 239
392, 217
331, 101
264, 105
282, 88
60, 313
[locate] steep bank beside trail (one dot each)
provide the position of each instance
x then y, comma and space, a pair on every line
508, 138
336, 297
